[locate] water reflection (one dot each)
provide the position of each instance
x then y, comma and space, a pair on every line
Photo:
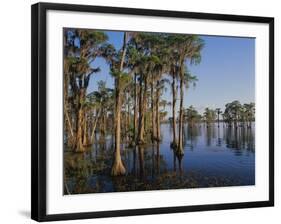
214, 156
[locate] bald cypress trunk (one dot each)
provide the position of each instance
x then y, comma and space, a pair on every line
118, 167
85, 132
158, 137
145, 106
152, 112
80, 123
180, 143
141, 115
94, 126
135, 110
174, 143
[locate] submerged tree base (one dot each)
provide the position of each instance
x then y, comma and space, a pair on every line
80, 149
179, 152
118, 168
174, 145
88, 142
176, 148
157, 139
141, 143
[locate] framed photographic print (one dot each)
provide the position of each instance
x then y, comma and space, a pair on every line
138, 111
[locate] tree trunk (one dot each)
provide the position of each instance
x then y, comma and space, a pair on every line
117, 168
80, 130
104, 124
157, 115
85, 132
124, 119
174, 143
144, 106
128, 118
141, 115
152, 112
135, 110
80, 123
68, 128
70, 138
180, 143
94, 126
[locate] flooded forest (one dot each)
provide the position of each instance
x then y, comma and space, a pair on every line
134, 129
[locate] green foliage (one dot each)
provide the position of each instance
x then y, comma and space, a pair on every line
189, 79
191, 115
102, 98
90, 37
235, 111
77, 65
209, 115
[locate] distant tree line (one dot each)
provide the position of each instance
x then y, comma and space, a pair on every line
235, 114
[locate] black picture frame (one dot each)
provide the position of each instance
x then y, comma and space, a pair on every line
39, 122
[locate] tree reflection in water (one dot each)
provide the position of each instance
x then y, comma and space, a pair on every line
213, 156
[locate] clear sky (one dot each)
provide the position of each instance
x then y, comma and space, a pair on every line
226, 72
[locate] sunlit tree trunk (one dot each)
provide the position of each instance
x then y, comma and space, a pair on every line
69, 128
65, 114
174, 143
80, 123
144, 109
101, 124
157, 115
124, 125
85, 132
141, 115
128, 117
104, 123
118, 167
68, 121
135, 109
180, 143
152, 112
69, 131
94, 126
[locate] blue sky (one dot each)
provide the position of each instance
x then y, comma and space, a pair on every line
226, 72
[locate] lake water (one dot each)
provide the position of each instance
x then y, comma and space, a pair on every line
214, 156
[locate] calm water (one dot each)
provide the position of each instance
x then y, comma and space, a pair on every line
213, 157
